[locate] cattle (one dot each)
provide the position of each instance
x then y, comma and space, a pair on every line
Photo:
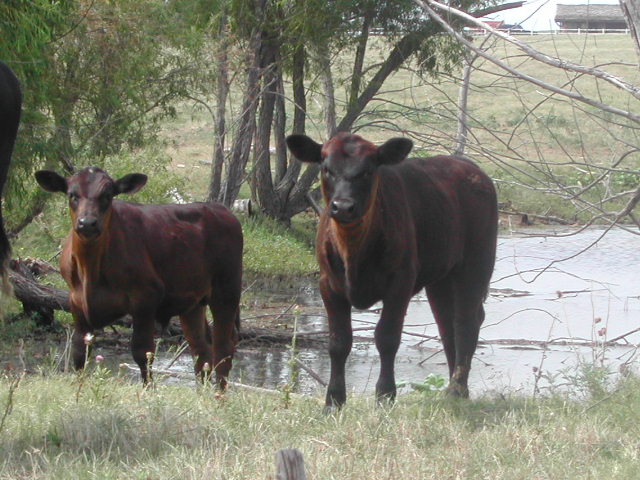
390, 228
152, 262
10, 106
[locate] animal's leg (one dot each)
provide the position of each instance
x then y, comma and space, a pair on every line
441, 299
387, 335
198, 334
142, 343
340, 341
225, 308
79, 343
468, 318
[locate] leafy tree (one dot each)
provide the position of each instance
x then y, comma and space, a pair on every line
97, 76
293, 41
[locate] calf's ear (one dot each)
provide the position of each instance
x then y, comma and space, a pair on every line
304, 149
51, 181
130, 183
394, 151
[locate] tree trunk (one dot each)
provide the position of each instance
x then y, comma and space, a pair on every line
241, 147
358, 63
263, 181
222, 92
404, 49
631, 11
279, 126
463, 116
324, 62
292, 174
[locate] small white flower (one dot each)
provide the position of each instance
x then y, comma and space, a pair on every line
88, 339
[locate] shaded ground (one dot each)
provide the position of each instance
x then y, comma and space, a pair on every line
266, 320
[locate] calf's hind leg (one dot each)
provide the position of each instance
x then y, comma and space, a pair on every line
142, 343
225, 308
198, 335
469, 315
442, 302
459, 314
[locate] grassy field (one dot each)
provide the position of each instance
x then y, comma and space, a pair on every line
100, 425
56, 426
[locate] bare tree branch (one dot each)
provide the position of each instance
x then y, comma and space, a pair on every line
534, 54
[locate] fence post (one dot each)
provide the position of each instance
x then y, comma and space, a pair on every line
290, 465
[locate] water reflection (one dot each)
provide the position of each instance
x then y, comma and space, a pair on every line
586, 300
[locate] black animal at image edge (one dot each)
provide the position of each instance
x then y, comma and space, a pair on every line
10, 106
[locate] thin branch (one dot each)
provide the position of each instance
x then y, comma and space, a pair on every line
533, 53
516, 73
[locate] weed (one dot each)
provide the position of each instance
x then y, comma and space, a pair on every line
431, 384
294, 369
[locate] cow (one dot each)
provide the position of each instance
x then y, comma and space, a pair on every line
10, 107
390, 228
152, 262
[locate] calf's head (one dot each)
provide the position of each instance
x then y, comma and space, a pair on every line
90, 192
349, 169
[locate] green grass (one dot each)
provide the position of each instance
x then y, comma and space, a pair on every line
272, 249
99, 426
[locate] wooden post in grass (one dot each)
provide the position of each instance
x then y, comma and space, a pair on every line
290, 465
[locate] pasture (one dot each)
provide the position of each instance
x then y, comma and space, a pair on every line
103, 425
100, 426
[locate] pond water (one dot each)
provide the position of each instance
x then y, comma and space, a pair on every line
555, 299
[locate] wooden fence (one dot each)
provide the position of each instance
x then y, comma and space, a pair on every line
563, 31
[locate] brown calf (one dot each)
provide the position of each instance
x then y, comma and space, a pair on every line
152, 262
10, 105
390, 228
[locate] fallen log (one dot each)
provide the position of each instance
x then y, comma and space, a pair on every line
528, 219
38, 300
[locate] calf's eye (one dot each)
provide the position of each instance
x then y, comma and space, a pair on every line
104, 200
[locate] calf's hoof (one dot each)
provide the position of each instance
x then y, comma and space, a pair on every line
455, 390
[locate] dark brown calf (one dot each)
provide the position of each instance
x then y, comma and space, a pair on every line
10, 105
152, 262
390, 228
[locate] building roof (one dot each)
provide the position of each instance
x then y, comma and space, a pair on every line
591, 12
494, 23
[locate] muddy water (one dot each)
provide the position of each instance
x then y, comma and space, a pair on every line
583, 298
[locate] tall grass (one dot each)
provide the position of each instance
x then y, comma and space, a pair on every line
117, 430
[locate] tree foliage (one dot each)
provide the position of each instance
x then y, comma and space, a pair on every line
97, 76
290, 45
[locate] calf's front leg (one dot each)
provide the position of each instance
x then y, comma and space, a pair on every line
388, 334
340, 342
142, 343
80, 342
